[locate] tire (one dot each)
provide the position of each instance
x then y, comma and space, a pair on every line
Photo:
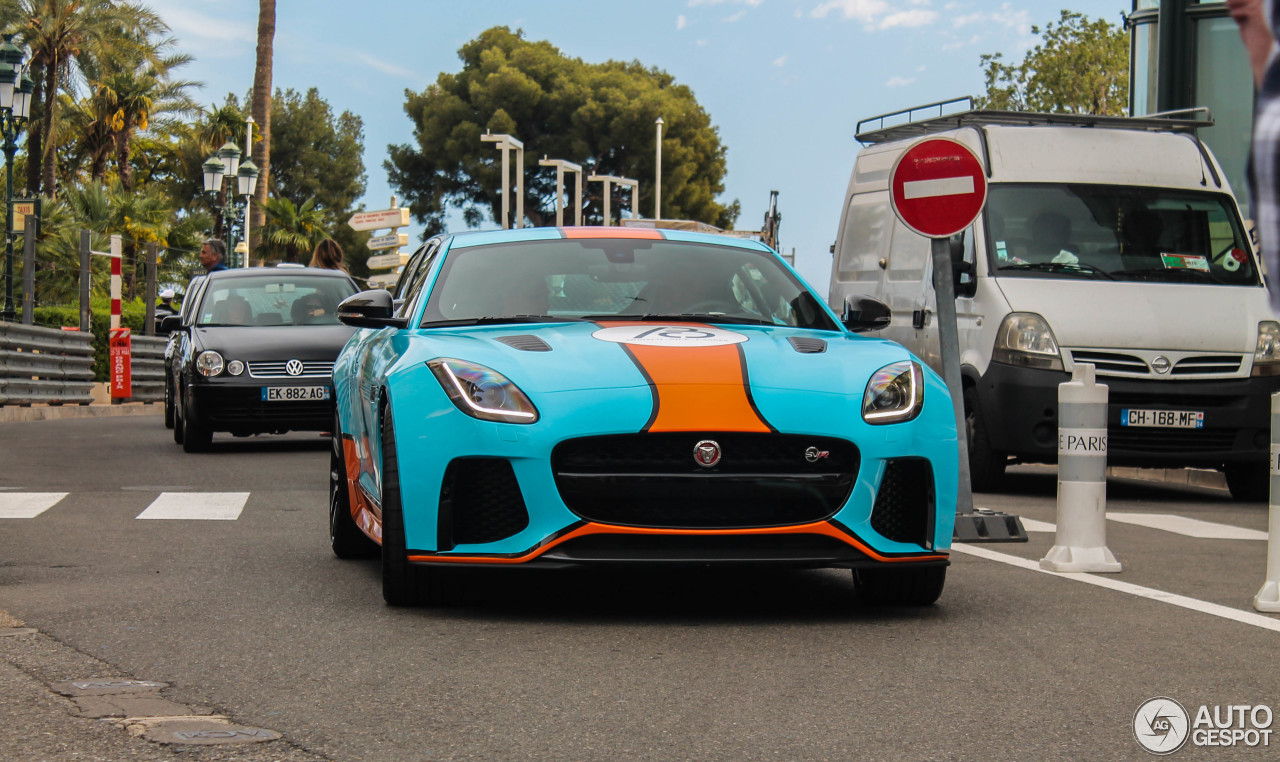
168, 403
403, 583
986, 465
900, 587
196, 437
345, 537
1248, 482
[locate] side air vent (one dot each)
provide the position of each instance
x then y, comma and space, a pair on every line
526, 343
807, 346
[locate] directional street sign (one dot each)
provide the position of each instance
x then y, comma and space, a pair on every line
394, 259
386, 279
391, 241
384, 218
937, 187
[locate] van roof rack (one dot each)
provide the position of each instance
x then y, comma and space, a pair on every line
959, 112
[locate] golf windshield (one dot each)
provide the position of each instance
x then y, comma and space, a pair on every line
1112, 232
625, 279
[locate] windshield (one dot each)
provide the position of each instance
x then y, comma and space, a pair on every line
273, 299
619, 279
1111, 232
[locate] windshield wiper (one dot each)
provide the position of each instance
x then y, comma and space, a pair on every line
684, 317
1074, 268
494, 320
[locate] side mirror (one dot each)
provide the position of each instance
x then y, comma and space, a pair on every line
170, 323
961, 271
370, 309
862, 313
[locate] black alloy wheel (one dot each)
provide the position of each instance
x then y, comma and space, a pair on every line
986, 465
196, 437
347, 540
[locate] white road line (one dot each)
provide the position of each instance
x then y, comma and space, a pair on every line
943, 186
1205, 530
200, 506
1031, 525
1204, 607
27, 505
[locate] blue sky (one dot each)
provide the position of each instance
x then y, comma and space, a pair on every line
785, 81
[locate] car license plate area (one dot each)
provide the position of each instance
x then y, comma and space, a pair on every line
294, 393
1163, 419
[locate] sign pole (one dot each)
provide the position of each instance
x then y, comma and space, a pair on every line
949, 341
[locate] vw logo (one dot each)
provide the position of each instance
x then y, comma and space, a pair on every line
1161, 364
293, 367
706, 453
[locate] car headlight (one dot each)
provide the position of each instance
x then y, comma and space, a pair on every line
482, 392
235, 367
209, 363
1024, 339
894, 394
1266, 357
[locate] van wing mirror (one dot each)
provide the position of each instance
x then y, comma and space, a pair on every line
862, 313
370, 309
961, 271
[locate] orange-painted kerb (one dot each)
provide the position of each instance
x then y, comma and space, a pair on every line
821, 528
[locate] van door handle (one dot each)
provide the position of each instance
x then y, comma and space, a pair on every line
920, 319
884, 263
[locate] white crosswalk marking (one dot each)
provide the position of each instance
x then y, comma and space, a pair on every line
199, 506
1204, 530
27, 505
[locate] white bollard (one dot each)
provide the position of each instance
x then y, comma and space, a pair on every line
1268, 598
1081, 540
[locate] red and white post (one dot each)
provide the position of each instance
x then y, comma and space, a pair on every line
117, 276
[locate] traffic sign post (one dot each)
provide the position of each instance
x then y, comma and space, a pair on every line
937, 188
395, 217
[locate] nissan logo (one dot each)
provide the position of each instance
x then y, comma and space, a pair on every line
293, 367
706, 453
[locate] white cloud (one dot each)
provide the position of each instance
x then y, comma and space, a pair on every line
681, 22
752, 3
780, 61
876, 14
908, 19
862, 10
383, 66
735, 17
701, 43
899, 81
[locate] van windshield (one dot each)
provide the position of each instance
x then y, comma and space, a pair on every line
1114, 232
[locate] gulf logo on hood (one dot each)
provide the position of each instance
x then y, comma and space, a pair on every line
697, 372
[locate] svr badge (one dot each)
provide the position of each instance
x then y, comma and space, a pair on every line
669, 335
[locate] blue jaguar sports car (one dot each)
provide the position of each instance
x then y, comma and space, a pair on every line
606, 396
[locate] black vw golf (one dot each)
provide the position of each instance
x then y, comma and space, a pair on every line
255, 355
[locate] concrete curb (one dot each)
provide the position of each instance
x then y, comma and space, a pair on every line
10, 414
1193, 477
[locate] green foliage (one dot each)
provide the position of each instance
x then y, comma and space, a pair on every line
291, 232
598, 115
1080, 67
132, 315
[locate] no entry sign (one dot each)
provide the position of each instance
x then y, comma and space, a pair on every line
937, 187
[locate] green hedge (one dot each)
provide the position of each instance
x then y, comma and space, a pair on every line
132, 316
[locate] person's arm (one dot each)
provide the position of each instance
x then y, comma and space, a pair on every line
1257, 38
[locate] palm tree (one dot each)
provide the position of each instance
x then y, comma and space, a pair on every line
290, 232
64, 36
262, 107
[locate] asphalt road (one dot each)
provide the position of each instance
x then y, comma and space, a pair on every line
253, 618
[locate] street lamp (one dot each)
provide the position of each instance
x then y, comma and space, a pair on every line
241, 179
15, 105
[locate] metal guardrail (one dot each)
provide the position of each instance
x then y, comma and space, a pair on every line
148, 368
46, 366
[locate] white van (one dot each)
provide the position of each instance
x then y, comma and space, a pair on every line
1104, 240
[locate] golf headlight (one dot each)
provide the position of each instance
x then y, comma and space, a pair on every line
482, 392
894, 394
1266, 358
209, 363
1024, 339
235, 367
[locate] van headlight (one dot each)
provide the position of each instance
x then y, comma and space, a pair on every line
1024, 339
1266, 357
894, 394
209, 363
482, 392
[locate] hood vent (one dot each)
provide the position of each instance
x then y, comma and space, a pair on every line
807, 346
526, 343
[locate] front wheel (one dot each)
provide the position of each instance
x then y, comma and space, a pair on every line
901, 587
168, 404
403, 583
344, 536
986, 465
196, 437
1248, 482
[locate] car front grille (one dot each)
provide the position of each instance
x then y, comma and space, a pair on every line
1133, 440
652, 480
310, 369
